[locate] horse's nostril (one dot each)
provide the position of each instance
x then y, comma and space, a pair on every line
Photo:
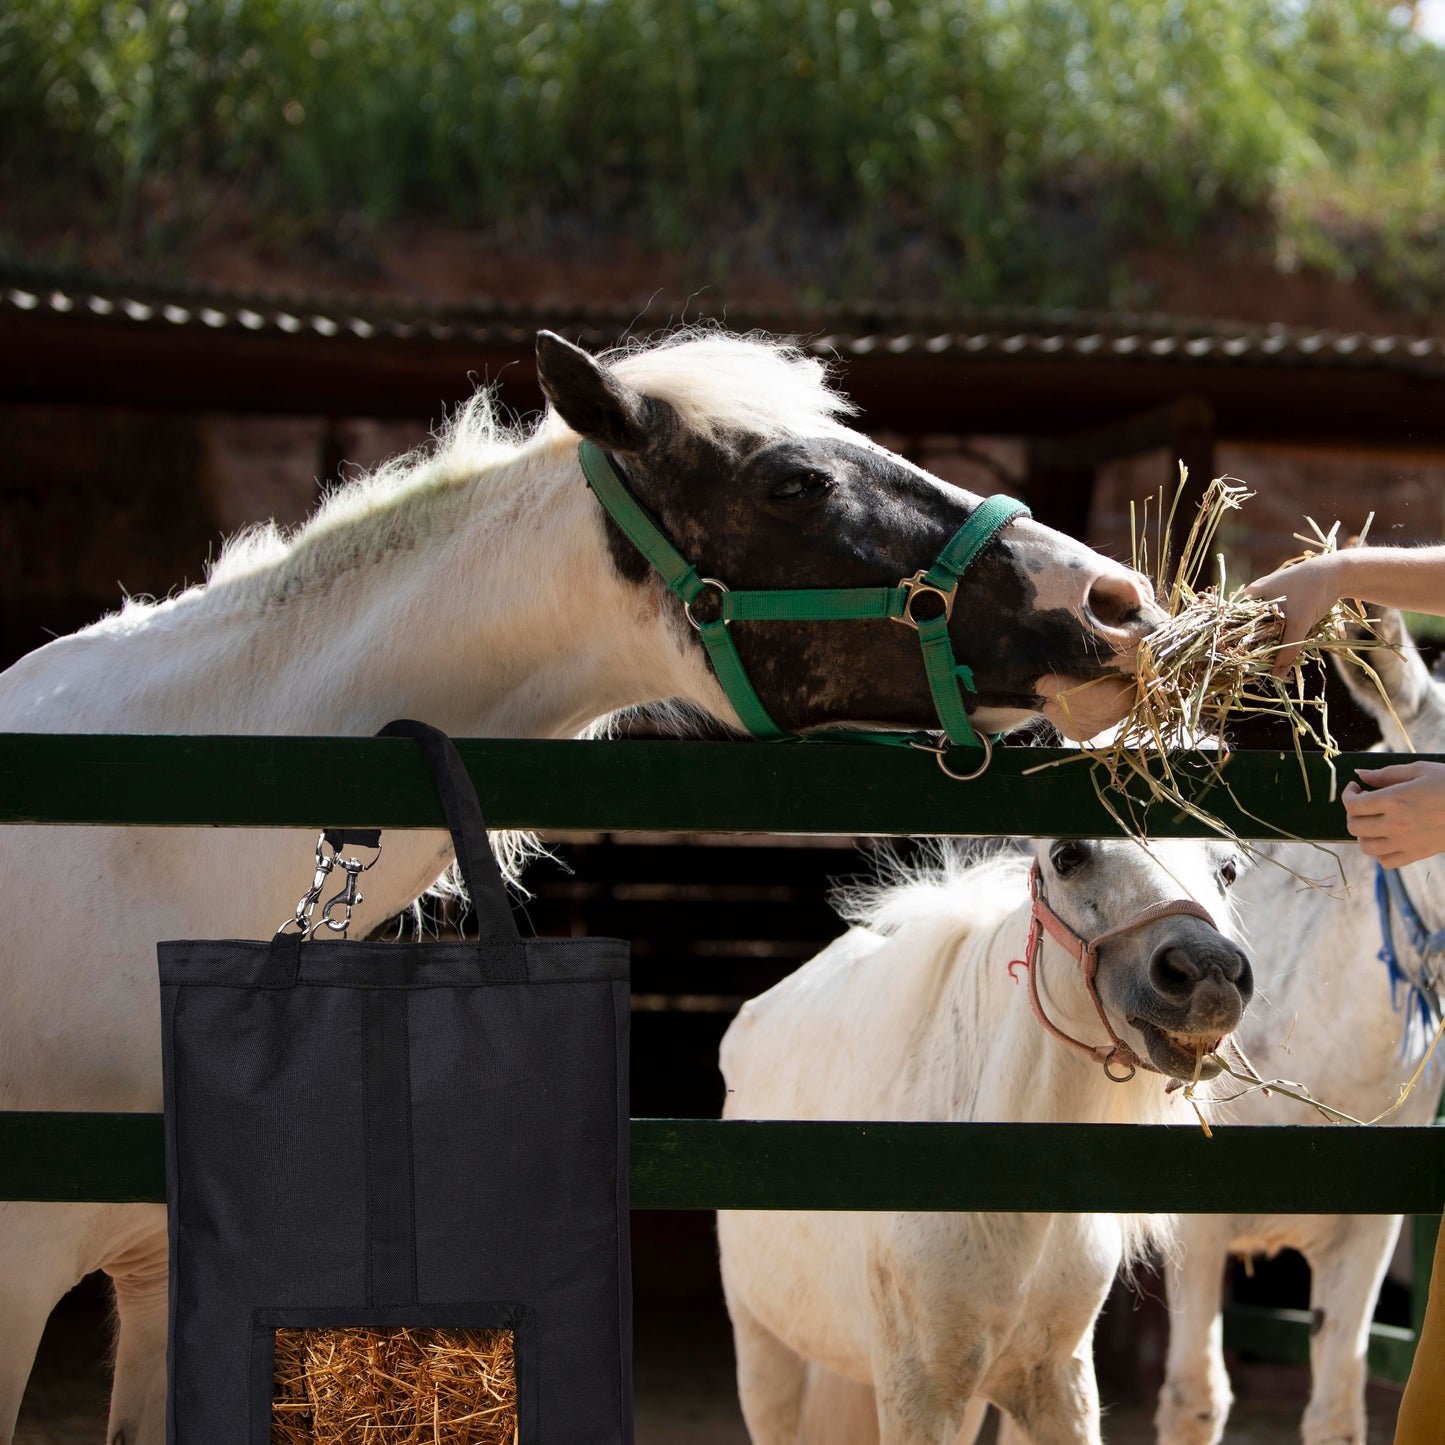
1118, 601
1174, 973
1237, 970
1186, 977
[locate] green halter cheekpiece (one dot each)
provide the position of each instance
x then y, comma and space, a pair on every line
946, 676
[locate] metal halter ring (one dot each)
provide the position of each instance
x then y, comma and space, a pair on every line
940, 753
1118, 1078
911, 587
707, 582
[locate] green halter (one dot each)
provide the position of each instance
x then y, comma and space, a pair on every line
831, 604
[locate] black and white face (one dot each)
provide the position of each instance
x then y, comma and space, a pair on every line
1171, 986
1036, 615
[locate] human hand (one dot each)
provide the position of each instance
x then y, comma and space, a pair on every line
1400, 817
1305, 591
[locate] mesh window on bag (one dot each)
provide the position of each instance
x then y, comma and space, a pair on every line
363, 1385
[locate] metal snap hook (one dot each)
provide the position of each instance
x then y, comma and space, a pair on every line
346, 900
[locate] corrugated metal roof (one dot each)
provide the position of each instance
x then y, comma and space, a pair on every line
854, 330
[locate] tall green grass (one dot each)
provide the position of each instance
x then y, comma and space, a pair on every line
1022, 144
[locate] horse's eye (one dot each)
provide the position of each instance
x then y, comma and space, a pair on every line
1067, 856
801, 487
1228, 872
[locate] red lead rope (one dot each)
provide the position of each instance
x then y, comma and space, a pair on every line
1086, 953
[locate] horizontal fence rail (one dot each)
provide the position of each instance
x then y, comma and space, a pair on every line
738, 787
773, 1164
1284, 1336
634, 786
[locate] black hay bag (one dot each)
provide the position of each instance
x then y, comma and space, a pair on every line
386, 1160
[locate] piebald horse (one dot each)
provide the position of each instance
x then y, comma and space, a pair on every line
479, 586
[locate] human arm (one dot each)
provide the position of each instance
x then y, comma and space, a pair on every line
1399, 817
1411, 578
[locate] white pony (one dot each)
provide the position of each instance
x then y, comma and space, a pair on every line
1324, 1015
482, 589
916, 1017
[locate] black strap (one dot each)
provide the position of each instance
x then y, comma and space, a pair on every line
468, 828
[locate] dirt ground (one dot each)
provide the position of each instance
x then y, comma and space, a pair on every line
684, 1385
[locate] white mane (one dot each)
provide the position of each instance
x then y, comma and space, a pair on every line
905, 892
715, 382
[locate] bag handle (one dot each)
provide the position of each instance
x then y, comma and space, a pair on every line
468, 828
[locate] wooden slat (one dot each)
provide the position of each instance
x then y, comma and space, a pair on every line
688, 921
619, 786
706, 1164
728, 975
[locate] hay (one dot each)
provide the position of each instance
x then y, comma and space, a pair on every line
369, 1386
1210, 663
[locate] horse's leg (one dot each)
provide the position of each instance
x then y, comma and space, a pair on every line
42, 1254
838, 1411
771, 1379
912, 1409
1344, 1281
138, 1271
973, 1417
1195, 1399
1010, 1432
1054, 1403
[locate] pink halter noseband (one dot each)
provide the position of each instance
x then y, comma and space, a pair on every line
1086, 952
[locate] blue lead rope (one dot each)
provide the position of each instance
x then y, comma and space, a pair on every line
1417, 994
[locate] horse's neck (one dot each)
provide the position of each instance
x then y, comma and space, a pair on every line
511, 622
1323, 1011
1016, 1071
514, 623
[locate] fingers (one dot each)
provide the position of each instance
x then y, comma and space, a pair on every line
1305, 592
1378, 800
1267, 586
1284, 659
1398, 817
1387, 777
1387, 846
1387, 855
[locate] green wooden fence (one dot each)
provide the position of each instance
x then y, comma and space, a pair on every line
249, 782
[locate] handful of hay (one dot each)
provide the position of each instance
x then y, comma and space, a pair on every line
368, 1386
1212, 662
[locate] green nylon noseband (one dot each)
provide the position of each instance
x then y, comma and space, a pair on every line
946, 676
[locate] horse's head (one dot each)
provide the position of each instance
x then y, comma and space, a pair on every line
1167, 981
734, 448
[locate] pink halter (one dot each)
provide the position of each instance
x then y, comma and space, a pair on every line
1086, 953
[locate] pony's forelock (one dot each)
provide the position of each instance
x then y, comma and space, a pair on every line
717, 383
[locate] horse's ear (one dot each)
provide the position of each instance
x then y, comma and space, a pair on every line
1398, 665
590, 398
